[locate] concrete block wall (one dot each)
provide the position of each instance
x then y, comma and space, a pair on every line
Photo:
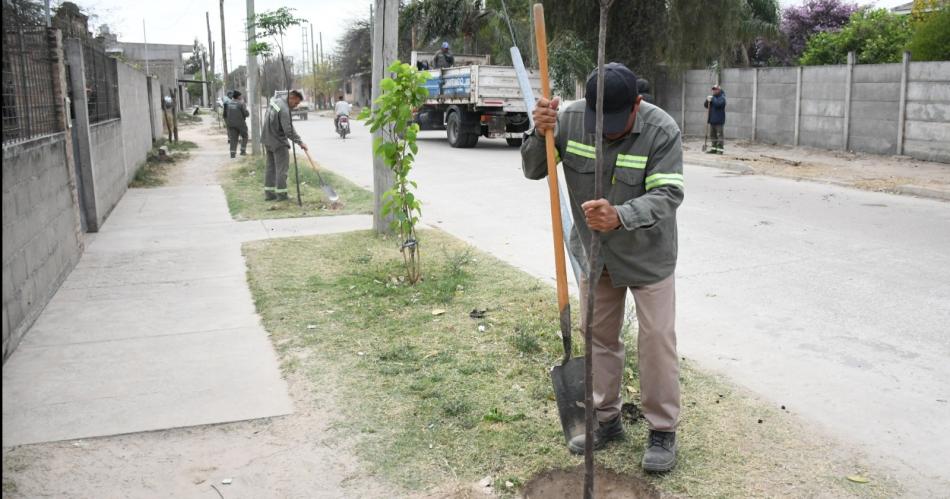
738, 102
822, 107
927, 126
775, 107
136, 120
42, 237
667, 94
882, 108
698, 83
875, 108
155, 108
109, 171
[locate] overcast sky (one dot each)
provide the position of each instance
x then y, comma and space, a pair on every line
181, 21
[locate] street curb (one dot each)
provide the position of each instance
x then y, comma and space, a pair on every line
722, 165
905, 190
926, 192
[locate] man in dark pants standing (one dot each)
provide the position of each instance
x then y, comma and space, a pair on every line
276, 132
716, 103
235, 116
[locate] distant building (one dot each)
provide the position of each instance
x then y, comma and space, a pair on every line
357, 89
165, 61
907, 9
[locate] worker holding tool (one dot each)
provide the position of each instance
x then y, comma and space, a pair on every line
716, 104
643, 182
235, 117
275, 133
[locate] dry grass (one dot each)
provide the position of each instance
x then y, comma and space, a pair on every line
435, 404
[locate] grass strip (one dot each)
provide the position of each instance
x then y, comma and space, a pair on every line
244, 187
436, 397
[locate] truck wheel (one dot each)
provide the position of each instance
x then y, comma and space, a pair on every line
453, 129
513, 142
456, 134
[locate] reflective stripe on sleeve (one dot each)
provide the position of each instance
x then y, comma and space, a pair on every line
662, 179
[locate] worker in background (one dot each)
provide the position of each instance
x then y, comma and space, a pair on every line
276, 135
716, 104
443, 58
643, 87
643, 186
235, 117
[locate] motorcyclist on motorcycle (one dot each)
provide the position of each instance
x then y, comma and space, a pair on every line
341, 108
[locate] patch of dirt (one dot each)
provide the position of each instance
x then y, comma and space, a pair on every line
569, 484
872, 172
290, 456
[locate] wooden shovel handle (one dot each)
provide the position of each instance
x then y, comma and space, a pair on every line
559, 262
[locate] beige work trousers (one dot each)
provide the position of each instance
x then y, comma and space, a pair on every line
656, 350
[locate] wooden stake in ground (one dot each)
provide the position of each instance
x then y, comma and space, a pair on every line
593, 267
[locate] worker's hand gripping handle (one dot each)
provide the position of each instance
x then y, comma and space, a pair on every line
563, 302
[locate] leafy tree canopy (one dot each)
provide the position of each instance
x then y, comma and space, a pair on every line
876, 36
800, 23
931, 39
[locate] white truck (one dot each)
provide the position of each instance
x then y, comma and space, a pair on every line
302, 111
475, 100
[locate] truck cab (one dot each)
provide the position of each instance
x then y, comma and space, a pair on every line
302, 111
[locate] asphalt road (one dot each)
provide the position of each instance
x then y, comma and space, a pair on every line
830, 301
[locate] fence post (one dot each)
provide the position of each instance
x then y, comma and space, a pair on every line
683, 105
798, 103
755, 99
847, 102
61, 94
902, 108
77, 73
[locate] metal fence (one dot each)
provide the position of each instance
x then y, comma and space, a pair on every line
102, 83
30, 108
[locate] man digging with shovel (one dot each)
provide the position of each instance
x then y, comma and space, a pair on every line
636, 219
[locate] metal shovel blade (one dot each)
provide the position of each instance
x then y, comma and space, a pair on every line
331, 194
568, 380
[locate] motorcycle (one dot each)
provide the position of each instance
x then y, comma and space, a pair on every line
343, 125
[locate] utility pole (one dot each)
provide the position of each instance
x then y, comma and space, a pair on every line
224, 46
210, 53
313, 65
49, 20
321, 47
144, 39
385, 28
204, 76
252, 91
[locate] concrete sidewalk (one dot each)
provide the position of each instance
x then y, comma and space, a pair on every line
156, 327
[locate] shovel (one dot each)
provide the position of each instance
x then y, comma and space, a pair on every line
568, 377
706, 137
331, 194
